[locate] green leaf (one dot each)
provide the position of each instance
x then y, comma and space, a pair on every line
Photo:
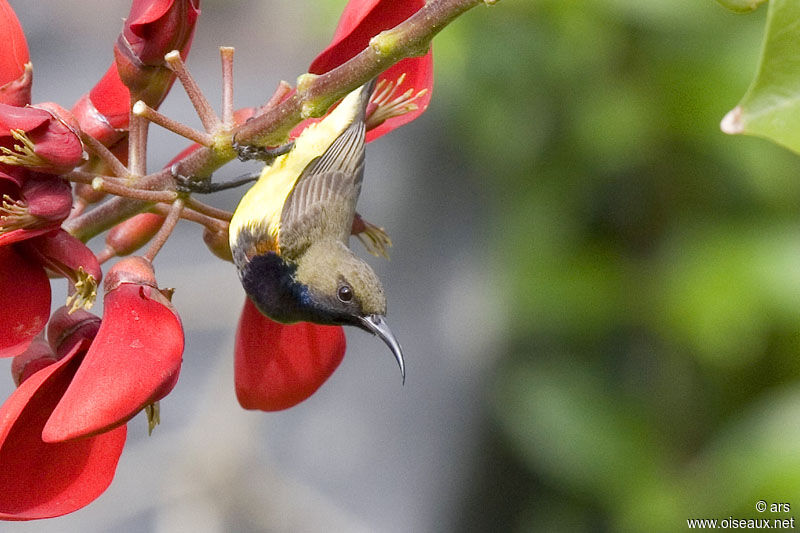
741, 6
771, 106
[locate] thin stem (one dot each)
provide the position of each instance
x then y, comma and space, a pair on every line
140, 109
143, 195
191, 215
105, 155
81, 176
226, 56
208, 117
137, 145
280, 93
105, 254
209, 210
166, 229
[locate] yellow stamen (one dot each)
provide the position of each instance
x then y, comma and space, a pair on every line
24, 154
85, 292
14, 215
387, 105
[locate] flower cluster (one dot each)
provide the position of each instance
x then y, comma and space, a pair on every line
80, 378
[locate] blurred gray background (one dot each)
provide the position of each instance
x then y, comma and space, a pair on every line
364, 453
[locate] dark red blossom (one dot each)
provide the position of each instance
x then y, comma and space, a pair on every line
278, 365
39, 479
39, 140
37, 207
134, 360
62, 254
15, 69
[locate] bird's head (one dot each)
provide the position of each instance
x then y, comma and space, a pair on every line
343, 289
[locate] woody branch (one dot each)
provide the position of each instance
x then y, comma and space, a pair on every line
314, 96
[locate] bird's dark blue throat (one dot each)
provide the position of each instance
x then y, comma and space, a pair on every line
269, 282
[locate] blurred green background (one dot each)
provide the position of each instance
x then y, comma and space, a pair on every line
650, 265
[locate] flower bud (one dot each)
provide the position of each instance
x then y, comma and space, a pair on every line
218, 243
130, 235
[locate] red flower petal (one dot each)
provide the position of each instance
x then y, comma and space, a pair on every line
25, 293
278, 365
59, 148
104, 111
13, 47
23, 118
362, 20
418, 76
38, 355
49, 198
64, 254
66, 329
41, 480
47, 201
134, 361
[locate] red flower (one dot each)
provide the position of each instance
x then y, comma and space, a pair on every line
39, 139
38, 205
360, 22
133, 362
15, 69
277, 365
39, 479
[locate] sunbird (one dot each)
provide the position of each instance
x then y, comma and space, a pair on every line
289, 234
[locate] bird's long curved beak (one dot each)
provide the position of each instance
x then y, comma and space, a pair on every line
376, 324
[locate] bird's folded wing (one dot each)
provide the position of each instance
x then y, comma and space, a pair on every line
323, 200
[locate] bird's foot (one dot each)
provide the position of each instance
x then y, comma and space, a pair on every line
261, 153
193, 184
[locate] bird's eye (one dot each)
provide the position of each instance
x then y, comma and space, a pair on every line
345, 293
